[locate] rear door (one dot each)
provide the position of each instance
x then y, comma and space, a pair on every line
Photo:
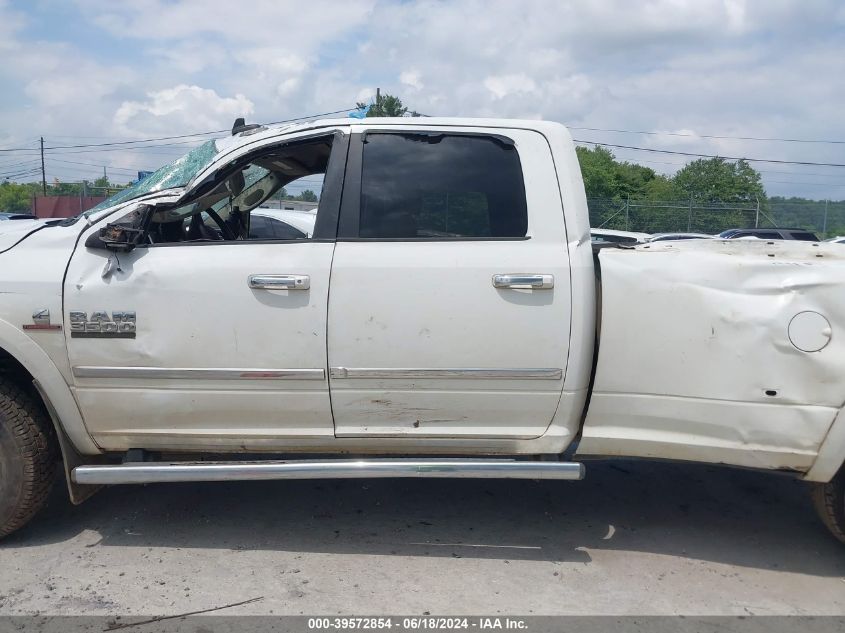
449, 309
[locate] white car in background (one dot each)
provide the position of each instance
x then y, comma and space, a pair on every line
5, 215
16, 220
611, 236
665, 237
275, 224
837, 240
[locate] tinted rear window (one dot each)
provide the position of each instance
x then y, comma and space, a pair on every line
804, 235
441, 186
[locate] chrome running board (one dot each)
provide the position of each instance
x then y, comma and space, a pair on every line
166, 472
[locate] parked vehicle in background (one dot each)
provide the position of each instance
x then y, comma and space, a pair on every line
663, 237
13, 222
443, 319
837, 240
770, 234
282, 224
611, 236
5, 215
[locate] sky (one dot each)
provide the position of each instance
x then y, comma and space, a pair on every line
83, 72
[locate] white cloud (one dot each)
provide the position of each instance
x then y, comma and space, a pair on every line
261, 22
10, 24
729, 67
411, 79
188, 108
680, 137
365, 95
503, 85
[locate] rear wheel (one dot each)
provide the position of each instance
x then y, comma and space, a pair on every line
829, 499
28, 453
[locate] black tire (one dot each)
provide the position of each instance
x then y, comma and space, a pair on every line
28, 453
829, 499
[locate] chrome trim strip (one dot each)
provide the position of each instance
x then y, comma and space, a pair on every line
470, 373
198, 374
151, 472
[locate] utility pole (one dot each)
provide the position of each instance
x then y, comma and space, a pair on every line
824, 223
43, 175
378, 101
689, 215
627, 211
757, 217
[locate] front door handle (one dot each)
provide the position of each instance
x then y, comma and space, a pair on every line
524, 281
280, 282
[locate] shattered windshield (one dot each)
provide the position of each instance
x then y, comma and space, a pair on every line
176, 174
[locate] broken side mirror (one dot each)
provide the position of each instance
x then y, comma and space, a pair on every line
125, 234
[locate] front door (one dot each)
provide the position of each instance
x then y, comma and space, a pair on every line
228, 346
450, 302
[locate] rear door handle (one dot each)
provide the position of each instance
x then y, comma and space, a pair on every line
280, 282
524, 281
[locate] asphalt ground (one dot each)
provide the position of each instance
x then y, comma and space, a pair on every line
633, 538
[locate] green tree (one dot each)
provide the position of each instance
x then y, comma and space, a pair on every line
609, 185
716, 180
605, 177
826, 218
730, 189
307, 196
15, 197
281, 194
386, 105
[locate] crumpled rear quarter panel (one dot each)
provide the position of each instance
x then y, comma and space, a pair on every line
695, 359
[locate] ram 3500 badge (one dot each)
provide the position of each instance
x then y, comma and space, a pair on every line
120, 324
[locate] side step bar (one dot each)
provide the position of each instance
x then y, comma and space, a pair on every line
166, 472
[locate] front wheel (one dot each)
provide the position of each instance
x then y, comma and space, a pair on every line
28, 455
829, 499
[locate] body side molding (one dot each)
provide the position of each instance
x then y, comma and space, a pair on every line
456, 372
199, 373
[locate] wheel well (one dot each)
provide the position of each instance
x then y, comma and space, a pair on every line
11, 368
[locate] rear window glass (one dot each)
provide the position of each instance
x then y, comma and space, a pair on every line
803, 235
441, 186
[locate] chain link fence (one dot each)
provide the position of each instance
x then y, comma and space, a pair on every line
824, 218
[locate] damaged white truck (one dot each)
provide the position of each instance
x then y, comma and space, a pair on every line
443, 314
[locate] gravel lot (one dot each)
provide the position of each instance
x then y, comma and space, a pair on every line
633, 538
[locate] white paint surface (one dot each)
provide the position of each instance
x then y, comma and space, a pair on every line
698, 363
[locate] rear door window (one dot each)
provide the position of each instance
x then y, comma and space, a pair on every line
804, 235
441, 186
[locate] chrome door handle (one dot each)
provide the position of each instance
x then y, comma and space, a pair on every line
280, 282
524, 281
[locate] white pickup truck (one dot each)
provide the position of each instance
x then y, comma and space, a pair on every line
446, 317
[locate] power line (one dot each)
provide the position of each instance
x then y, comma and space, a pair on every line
166, 138
816, 184
92, 148
714, 136
677, 153
572, 127
31, 172
18, 163
100, 165
146, 140
12, 149
27, 165
762, 171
